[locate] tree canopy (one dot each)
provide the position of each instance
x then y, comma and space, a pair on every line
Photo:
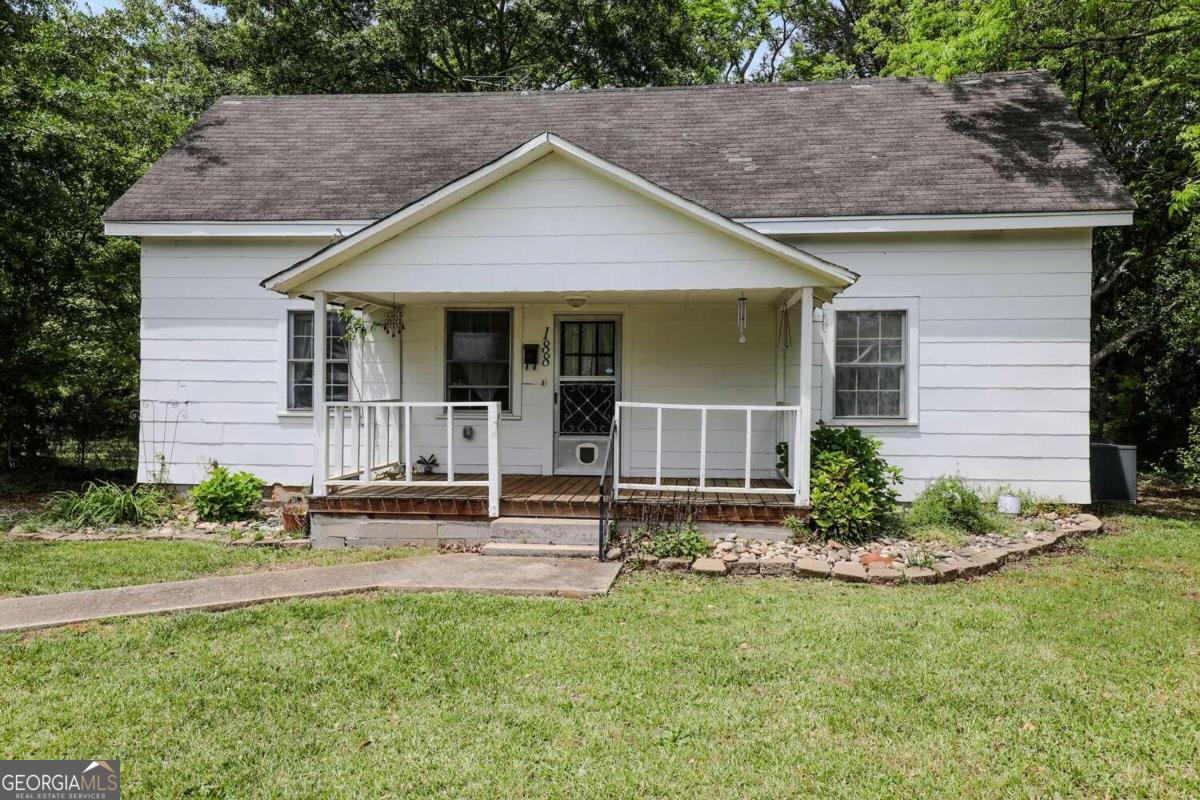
89, 100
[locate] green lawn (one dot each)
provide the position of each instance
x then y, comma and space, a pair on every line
45, 567
1068, 676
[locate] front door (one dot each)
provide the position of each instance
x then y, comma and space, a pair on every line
587, 386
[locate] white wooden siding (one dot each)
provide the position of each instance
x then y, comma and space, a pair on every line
213, 339
665, 359
1004, 333
1004, 377
556, 226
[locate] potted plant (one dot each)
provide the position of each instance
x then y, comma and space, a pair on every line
427, 464
295, 517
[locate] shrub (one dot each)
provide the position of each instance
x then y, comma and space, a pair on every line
1189, 456
225, 496
853, 487
683, 542
949, 502
103, 504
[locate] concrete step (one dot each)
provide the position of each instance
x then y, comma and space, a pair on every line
546, 530
537, 550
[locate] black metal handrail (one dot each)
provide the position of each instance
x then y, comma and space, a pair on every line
608, 483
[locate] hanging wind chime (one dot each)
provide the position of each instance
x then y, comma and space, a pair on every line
741, 318
393, 323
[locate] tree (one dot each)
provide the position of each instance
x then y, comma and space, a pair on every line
86, 103
1132, 70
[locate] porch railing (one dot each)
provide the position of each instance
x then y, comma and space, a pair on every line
608, 480
794, 431
371, 443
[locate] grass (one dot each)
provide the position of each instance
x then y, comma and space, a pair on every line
31, 567
1067, 676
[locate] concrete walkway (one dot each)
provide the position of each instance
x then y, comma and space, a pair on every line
560, 577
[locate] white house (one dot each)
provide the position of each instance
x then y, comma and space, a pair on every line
716, 268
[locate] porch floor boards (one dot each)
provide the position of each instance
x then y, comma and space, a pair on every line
553, 496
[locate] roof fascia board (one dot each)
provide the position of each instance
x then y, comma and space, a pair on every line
920, 223
771, 226
303, 271
225, 229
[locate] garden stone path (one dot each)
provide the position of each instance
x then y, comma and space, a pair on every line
460, 572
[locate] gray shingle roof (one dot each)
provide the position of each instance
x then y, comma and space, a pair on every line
998, 143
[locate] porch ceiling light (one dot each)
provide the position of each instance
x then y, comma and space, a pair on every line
575, 300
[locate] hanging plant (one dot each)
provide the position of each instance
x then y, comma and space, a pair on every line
355, 326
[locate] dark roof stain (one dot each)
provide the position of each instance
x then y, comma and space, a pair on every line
1004, 142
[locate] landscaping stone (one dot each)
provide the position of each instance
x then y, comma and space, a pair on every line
743, 567
677, 564
646, 559
775, 565
812, 567
849, 571
879, 573
920, 575
709, 566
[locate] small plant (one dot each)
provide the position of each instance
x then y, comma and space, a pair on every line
161, 471
225, 496
853, 487
104, 504
949, 502
781, 457
427, 464
798, 528
921, 558
295, 517
683, 542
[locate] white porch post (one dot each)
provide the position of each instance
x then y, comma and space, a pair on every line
493, 434
320, 421
804, 421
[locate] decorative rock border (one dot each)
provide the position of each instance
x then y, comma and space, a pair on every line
885, 561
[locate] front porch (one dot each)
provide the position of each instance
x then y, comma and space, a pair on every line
554, 336
557, 496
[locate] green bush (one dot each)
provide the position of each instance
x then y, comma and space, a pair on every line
103, 504
1189, 456
949, 502
225, 496
684, 542
853, 487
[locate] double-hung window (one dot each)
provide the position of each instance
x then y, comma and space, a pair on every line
300, 360
479, 355
873, 361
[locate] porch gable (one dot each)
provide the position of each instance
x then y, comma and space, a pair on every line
551, 217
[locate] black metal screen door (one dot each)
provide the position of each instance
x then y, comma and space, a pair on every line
587, 376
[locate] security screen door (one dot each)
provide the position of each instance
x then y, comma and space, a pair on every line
587, 387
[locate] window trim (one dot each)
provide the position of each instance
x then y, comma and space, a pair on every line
284, 411
515, 370
912, 358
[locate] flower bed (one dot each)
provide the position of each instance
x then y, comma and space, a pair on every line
886, 560
265, 529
